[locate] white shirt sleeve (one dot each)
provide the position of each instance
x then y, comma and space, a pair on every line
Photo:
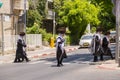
60, 45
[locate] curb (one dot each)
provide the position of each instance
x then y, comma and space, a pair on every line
106, 68
111, 66
36, 56
51, 53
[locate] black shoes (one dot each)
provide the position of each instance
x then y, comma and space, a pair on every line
27, 60
59, 65
113, 58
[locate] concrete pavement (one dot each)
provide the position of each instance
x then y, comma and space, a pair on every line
34, 55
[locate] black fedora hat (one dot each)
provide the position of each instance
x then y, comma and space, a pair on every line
22, 33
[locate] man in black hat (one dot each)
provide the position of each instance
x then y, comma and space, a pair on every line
20, 51
60, 51
105, 45
96, 45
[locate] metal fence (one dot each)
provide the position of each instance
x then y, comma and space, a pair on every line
32, 40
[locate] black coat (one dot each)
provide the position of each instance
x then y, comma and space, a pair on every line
20, 46
97, 46
106, 49
105, 42
59, 53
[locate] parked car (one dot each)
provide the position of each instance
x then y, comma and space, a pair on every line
85, 41
113, 36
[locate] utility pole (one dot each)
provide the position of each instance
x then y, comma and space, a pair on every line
53, 24
2, 33
118, 31
25, 20
24, 16
2, 29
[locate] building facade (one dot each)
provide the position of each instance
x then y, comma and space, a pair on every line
10, 23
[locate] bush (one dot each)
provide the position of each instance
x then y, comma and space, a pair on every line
33, 30
36, 30
67, 38
46, 36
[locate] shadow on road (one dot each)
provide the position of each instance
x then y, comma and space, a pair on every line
76, 58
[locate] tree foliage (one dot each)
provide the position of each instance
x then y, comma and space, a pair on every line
105, 16
41, 7
35, 29
33, 15
76, 14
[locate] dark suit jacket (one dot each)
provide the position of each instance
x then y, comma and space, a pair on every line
20, 46
105, 42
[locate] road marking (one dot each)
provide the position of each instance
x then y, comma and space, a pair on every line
107, 68
55, 63
49, 62
36, 62
66, 63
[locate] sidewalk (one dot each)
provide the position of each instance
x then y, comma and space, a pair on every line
34, 55
108, 65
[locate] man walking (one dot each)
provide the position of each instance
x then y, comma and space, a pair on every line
96, 45
105, 45
20, 51
60, 51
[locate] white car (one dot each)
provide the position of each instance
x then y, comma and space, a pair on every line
85, 40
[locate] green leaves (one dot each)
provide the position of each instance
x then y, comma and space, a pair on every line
33, 15
105, 15
77, 14
79, 10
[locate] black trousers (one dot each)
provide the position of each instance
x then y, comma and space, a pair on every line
59, 56
96, 57
17, 58
59, 61
24, 56
107, 51
20, 57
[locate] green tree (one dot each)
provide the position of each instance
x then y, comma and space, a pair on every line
57, 7
105, 16
76, 14
33, 15
41, 7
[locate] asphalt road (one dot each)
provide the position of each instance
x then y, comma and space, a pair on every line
76, 67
